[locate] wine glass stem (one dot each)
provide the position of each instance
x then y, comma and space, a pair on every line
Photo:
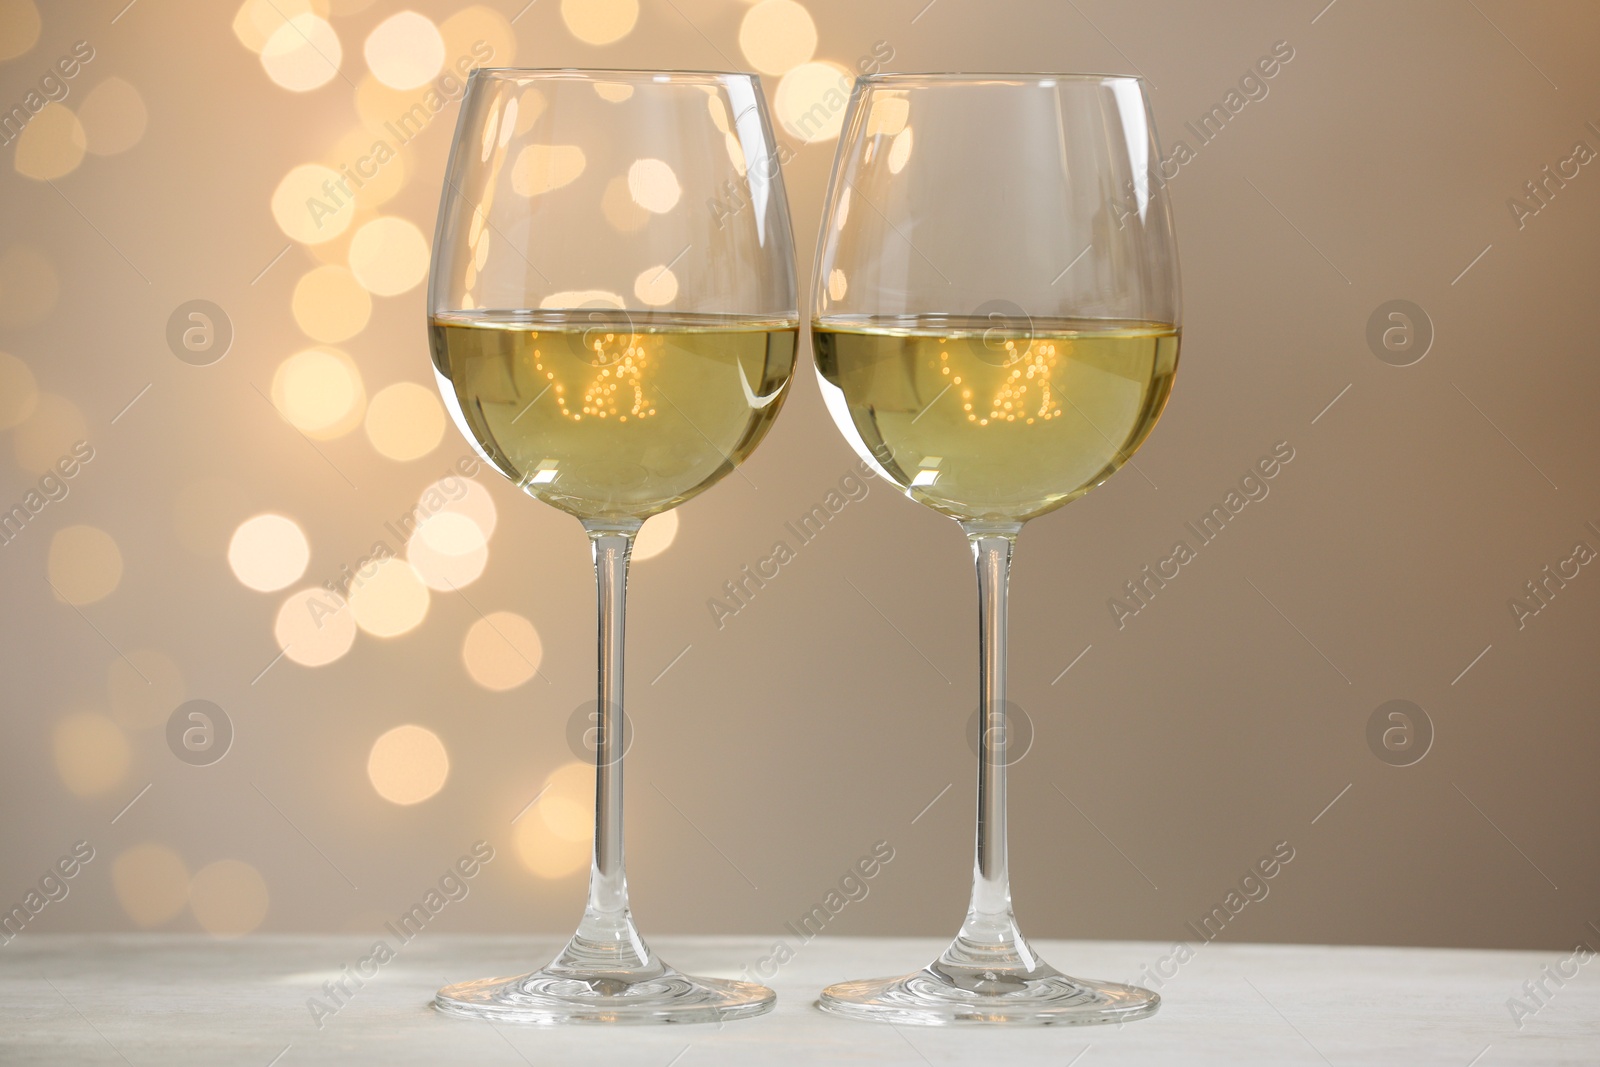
990, 930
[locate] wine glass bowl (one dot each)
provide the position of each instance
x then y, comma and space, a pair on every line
995, 315
613, 325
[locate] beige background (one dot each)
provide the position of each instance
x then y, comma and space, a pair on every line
780, 748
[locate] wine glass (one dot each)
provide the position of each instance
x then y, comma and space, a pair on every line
995, 316
613, 323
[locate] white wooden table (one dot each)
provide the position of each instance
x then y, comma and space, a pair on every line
180, 1000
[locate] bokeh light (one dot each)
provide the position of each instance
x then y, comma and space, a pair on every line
19, 392
405, 421
448, 551
619, 209
302, 54
653, 186
320, 392
777, 35
889, 113
19, 27
541, 168
656, 286
372, 168
393, 601
811, 100
463, 30
151, 883
91, 753
465, 496
389, 255
314, 627
85, 564
268, 553
143, 687
28, 286
49, 433
405, 50
615, 92
838, 284
113, 116
655, 536
568, 796
408, 764
229, 898
502, 650
51, 145
900, 150
204, 513
600, 21
330, 305
257, 20
309, 206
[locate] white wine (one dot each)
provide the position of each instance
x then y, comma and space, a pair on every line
990, 423
609, 415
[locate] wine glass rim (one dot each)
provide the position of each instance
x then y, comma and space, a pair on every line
609, 73
980, 77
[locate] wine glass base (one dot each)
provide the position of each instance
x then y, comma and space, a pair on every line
927, 998
546, 998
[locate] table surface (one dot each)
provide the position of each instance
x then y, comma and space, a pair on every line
178, 1000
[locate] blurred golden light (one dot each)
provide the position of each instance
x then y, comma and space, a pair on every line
811, 100
257, 20
619, 209
393, 601
389, 255
530, 105
350, 7
888, 115
302, 54
84, 565
838, 284
144, 687
408, 764
19, 27
330, 305
319, 391
656, 535
541, 168
600, 21
900, 150
19, 392
372, 168
48, 434
777, 35
51, 144
463, 30
91, 753
465, 496
28, 286
448, 551
310, 206
502, 650
653, 186
555, 839
314, 627
229, 898
405, 50
204, 513
719, 113
268, 553
615, 92
113, 117
405, 421
151, 882
656, 286
336, 253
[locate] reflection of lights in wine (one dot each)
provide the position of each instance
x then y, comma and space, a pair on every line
229, 898
502, 650
91, 753
405, 50
600, 21
653, 185
314, 627
151, 882
84, 565
777, 35
617, 389
393, 601
320, 392
143, 686
408, 764
268, 552
405, 421
302, 54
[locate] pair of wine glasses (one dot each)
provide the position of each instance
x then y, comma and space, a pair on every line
613, 319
